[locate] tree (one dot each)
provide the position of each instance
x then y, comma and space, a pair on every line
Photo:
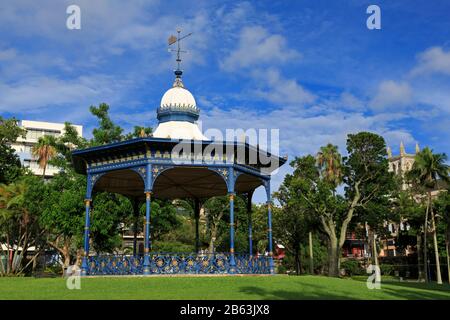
10, 168
109, 210
330, 164
365, 177
427, 169
290, 228
443, 209
63, 214
19, 227
139, 132
406, 208
290, 223
44, 151
64, 146
108, 132
163, 218
215, 209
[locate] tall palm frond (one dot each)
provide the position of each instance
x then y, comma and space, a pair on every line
44, 151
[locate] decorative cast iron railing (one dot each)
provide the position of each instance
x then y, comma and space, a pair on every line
177, 263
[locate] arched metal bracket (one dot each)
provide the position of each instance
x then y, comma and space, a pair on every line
91, 180
157, 169
142, 172
229, 175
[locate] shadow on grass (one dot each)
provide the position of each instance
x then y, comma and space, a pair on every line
314, 292
413, 290
390, 290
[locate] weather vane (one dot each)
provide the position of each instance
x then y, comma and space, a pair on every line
177, 39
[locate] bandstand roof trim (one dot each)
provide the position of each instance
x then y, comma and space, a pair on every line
82, 157
115, 166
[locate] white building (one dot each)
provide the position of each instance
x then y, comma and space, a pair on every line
35, 130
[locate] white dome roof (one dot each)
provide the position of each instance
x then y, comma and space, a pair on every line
179, 130
178, 97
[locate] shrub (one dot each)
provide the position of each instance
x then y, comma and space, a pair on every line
352, 267
386, 269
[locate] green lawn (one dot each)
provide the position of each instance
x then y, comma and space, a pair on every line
223, 288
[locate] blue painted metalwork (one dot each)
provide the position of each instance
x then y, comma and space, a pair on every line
121, 164
178, 263
157, 169
232, 259
178, 113
269, 224
149, 157
147, 233
142, 172
84, 266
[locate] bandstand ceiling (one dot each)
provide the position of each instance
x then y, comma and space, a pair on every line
176, 183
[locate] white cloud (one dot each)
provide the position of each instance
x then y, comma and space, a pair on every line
432, 60
392, 94
258, 47
302, 134
7, 54
40, 93
279, 90
350, 101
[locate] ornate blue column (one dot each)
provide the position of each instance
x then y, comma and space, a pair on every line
87, 223
148, 183
146, 269
232, 258
269, 225
230, 185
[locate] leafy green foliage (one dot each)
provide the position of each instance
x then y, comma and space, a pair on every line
10, 168
108, 211
107, 132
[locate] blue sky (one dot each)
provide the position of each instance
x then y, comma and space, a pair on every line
310, 68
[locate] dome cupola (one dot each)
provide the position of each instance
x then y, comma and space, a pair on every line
178, 112
178, 104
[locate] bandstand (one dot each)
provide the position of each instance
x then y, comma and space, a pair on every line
177, 162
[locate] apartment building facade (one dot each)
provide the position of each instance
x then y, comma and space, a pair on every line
35, 130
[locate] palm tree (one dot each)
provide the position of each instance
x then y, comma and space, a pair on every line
330, 163
44, 151
427, 169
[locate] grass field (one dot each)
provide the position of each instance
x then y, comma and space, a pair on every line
222, 288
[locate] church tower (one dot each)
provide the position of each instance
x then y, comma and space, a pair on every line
400, 164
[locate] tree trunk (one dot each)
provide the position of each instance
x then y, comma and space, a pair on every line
297, 261
213, 238
311, 258
43, 171
79, 257
447, 250
333, 263
425, 236
375, 251
421, 275
436, 250
66, 255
